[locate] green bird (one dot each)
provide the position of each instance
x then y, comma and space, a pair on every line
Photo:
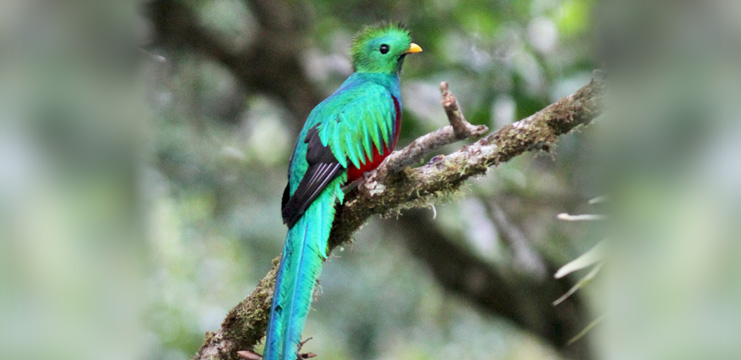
347, 134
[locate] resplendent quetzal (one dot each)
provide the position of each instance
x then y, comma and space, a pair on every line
347, 134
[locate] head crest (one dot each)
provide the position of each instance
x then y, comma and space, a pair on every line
370, 31
367, 41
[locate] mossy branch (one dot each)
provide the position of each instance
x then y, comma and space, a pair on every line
394, 186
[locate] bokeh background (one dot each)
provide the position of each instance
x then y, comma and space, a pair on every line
144, 147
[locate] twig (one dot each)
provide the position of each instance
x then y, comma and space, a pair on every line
270, 63
392, 187
462, 128
525, 256
458, 129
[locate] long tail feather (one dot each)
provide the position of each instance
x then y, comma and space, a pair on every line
304, 252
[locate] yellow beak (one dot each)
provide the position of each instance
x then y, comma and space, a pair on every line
413, 48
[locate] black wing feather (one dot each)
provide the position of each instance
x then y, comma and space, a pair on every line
323, 168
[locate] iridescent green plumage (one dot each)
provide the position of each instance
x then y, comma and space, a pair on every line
360, 126
346, 134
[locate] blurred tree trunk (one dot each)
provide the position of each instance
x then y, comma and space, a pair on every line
524, 300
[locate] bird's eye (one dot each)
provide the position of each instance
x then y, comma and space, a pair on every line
384, 49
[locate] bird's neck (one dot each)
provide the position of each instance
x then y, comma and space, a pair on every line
389, 81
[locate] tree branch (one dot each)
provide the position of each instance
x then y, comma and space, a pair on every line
393, 187
524, 255
458, 129
270, 64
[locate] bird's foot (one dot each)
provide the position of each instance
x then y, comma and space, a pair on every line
353, 185
366, 175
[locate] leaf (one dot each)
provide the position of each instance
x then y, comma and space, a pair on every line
586, 330
589, 258
599, 200
583, 282
583, 217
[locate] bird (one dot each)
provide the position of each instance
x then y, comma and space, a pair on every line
346, 135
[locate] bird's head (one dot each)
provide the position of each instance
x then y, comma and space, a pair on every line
382, 48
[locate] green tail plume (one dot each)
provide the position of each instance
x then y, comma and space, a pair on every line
303, 254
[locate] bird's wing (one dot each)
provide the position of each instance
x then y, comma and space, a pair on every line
365, 120
322, 169
364, 123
